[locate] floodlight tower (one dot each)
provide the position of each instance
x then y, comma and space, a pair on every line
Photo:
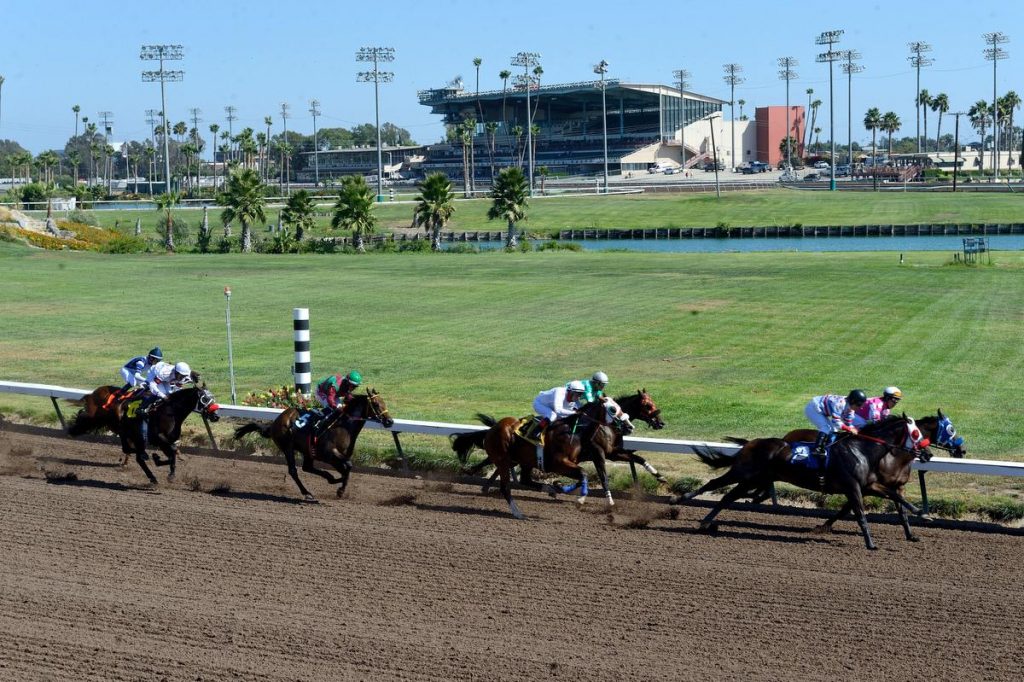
787, 74
526, 60
377, 55
850, 68
601, 68
681, 76
230, 116
830, 38
917, 60
732, 78
994, 53
161, 53
314, 109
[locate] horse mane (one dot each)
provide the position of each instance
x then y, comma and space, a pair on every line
884, 424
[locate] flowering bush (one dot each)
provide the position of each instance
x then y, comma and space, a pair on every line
281, 398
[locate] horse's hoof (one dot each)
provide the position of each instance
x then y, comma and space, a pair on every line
340, 492
552, 491
580, 501
913, 538
310, 499
822, 529
925, 518
170, 477
673, 500
708, 527
873, 547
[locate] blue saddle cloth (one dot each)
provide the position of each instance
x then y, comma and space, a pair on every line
800, 456
307, 418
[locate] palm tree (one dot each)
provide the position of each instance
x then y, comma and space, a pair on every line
978, 115
299, 213
504, 75
267, 121
165, 202
76, 109
1010, 101
925, 101
741, 102
940, 105
510, 196
354, 209
872, 122
75, 158
815, 105
477, 61
180, 128
817, 139
188, 150
807, 130
244, 202
465, 136
517, 131
151, 168
890, 124
436, 206
492, 133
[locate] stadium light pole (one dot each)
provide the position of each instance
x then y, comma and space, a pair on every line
314, 108
714, 153
732, 78
917, 60
994, 53
850, 68
601, 68
161, 53
681, 75
377, 55
526, 60
231, 359
229, 112
787, 74
830, 38
956, 145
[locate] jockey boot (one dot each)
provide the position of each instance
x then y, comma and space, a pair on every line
818, 452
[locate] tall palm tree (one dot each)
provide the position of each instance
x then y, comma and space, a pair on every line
517, 132
492, 133
244, 202
925, 100
872, 122
510, 198
477, 61
166, 202
436, 204
817, 139
741, 102
75, 158
940, 105
180, 128
300, 213
890, 124
815, 105
1010, 101
465, 132
267, 121
354, 210
978, 115
807, 129
504, 75
214, 129
76, 109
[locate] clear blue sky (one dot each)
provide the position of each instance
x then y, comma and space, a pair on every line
255, 55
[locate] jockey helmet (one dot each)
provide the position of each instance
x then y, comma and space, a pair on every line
575, 387
600, 378
156, 353
182, 369
892, 393
354, 378
856, 398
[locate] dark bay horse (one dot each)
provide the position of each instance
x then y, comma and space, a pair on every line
162, 426
334, 446
564, 440
872, 462
99, 411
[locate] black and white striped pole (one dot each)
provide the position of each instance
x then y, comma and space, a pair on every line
300, 323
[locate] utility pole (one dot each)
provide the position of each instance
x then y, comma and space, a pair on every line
601, 68
151, 115
162, 52
956, 146
732, 78
285, 155
787, 74
377, 55
314, 108
830, 38
194, 112
107, 123
714, 155
681, 76
994, 53
526, 60
850, 68
917, 60
230, 112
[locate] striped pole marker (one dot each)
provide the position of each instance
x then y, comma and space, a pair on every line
300, 323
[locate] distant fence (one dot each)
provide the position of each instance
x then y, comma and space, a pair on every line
810, 231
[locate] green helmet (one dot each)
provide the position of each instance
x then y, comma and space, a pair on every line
354, 378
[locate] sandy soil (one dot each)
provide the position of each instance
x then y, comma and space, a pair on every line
224, 575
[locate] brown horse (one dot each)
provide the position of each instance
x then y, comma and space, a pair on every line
872, 462
291, 433
564, 440
99, 411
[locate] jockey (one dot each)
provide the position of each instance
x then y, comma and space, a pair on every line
555, 403
335, 390
162, 381
877, 408
593, 388
134, 371
831, 414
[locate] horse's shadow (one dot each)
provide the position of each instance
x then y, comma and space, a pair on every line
73, 480
258, 497
459, 509
760, 532
73, 462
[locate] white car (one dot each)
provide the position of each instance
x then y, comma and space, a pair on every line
822, 165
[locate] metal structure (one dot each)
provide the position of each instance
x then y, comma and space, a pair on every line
830, 38
285, 156
231, 357
151, 115
163, 53
314, 109
787, 74
2, 79
231, 118
108, 126
850, 68
681, 76
956, 145
994, 53
917, 60
300, 325
194, 113
601, 68
377, 55
526, 60
714, 156
732, 78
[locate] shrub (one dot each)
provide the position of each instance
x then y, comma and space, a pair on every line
321, 245
83, 218
555, 245
33, 193
463, 247
125, 244
415, 246
280, 398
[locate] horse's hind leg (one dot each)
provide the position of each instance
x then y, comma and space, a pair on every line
728, 478
856, 501
140, 457
637, 459
904, 521
506, 490
826, 527
602, 474
707, 523
289, 455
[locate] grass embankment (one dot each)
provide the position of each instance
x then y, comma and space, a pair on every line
728, 344
548, 215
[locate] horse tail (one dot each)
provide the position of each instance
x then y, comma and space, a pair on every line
737, 441
716, 459
82, 423
250, 428
463, 443
486, 419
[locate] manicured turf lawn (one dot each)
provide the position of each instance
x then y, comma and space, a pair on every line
736, 209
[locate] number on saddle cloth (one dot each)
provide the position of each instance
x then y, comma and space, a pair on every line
801, 456
306, 418
131, 410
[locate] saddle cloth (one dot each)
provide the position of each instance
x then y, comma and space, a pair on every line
800, 456
307, 418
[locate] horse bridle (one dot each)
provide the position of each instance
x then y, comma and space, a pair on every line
945, 436
921, 444
378, 414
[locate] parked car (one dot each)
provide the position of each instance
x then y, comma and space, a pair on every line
810, 177
821, 165
759, 167
672, 171
710, 166
842, 171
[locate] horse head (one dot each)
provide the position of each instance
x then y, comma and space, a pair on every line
206, 405
647, 411
377, 410
900, 433
943, 434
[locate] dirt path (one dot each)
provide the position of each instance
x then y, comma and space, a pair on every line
102, 579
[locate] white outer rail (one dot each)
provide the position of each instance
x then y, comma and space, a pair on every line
937, 464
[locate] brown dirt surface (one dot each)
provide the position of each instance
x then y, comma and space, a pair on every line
225, 575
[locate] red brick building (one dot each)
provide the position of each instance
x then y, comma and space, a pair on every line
771, 131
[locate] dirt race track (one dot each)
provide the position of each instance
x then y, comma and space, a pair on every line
104, 579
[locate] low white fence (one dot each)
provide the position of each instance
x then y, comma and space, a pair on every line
672, 446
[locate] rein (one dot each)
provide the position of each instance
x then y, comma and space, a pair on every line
892, 446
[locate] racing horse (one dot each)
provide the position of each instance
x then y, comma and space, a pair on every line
99, 411
292, 431
876, 461
564, 440
162, 426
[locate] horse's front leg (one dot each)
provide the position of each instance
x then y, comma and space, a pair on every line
602, 474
